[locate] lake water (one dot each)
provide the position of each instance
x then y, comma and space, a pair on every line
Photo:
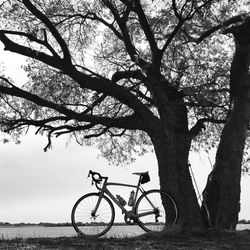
52, 232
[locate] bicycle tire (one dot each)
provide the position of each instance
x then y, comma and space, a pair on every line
167, 217
85, 223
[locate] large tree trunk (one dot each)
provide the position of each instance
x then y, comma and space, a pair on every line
171, 142
222, 192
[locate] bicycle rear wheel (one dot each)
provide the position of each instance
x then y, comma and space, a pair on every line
88, 224
164, 208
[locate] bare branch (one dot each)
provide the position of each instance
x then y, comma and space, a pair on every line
53, 61
91, 16
15, 91
49, 144
122, 25
51, 28
117, 135
97, 134
7, 81
70, 129
177, 14
172, 35
136, 74
85, 81
94, 104
234, 20
129, 122
34, 39
199, 126
146, 28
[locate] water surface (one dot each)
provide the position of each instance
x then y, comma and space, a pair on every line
52, 232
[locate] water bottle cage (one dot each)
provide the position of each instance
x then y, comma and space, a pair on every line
131, 199
121, 200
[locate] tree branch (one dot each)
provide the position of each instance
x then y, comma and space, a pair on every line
146, 28
172, 35
129, 122
104, 130
51, 27
15, 91
94, 104
136, 74
53, 61
122, 25
224, 25
33, 39
182, 19
199, 126
85, 81
92, 16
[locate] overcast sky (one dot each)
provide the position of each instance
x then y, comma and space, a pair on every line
43, 187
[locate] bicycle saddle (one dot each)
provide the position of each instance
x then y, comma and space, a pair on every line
141, 173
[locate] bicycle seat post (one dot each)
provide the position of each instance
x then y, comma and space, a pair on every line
139, 181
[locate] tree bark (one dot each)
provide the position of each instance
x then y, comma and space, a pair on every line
172, 142
222, 192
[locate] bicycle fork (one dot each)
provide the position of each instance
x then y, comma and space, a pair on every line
93, 212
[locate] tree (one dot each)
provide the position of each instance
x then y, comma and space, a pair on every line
156, 78
223, 186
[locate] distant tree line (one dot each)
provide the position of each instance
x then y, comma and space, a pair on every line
244, 222
66, 224
44, 224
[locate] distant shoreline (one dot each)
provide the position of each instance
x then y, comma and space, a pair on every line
66, 224
44, 224
41, 224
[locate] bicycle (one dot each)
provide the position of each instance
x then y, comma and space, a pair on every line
93, 214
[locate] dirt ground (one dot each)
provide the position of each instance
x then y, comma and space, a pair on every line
210, 240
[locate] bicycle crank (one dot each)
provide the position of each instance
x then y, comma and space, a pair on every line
130, 220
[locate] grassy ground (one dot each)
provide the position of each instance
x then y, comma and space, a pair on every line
211, 240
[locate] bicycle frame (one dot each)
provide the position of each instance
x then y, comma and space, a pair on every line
93, 214
104, 190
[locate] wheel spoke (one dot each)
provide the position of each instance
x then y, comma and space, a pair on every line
88, 225
166, 215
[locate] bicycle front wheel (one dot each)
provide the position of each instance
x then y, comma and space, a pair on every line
163, 207
88, 224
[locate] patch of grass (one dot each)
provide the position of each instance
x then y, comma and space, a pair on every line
211, 240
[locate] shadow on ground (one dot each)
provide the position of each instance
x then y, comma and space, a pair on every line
210, 240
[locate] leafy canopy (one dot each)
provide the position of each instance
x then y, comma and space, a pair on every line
94, 68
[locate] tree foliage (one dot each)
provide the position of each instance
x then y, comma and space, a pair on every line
91, 65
